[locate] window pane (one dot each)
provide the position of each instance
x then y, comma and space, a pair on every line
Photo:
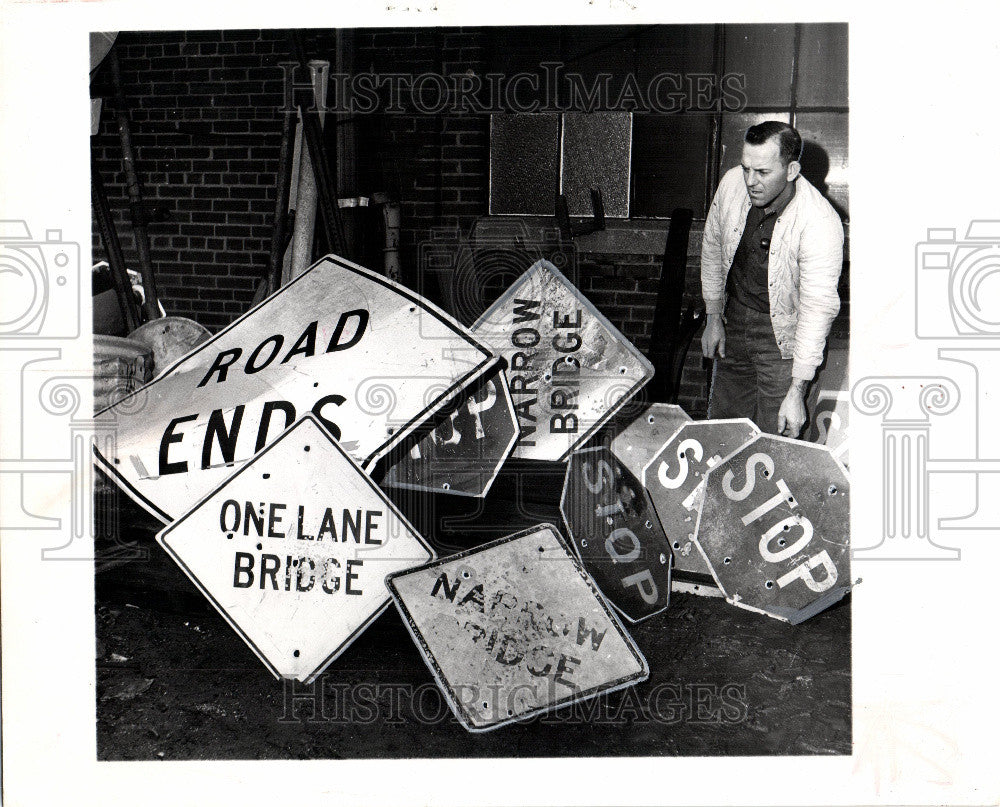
596, 151
763, 53
524, 172
823, 65
668, 163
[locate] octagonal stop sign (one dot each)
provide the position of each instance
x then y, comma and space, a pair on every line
616, 533
637, 443
775, 527
675, 474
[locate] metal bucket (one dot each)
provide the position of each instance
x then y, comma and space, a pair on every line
170, 338
121, 366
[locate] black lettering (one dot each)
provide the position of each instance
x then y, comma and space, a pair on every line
269, 565
449, 591
302, 572
525, 337
216, 430
250, 514
244, 566
274, 519
563, 668
222, 515
305, 344
352, 576
317, 410
221, 365
595, 637
371, 526
523, 310
265, 420
167, 467
328, 566
338, 332
354, 524
251, 367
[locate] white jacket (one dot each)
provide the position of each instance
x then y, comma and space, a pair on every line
807, 254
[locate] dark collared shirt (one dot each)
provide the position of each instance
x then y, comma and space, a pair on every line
747, 281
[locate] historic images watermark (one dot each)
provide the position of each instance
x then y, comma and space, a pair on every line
956, 304
327, 700
552, 88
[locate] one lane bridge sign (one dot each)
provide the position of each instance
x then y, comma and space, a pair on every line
293, 550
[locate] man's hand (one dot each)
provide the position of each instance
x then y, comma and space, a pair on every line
792, 413
714, 337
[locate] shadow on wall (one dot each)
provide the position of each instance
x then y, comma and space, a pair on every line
815, 167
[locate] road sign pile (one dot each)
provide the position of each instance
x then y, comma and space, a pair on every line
266, 450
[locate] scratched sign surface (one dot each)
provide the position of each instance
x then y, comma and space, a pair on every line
775, 527
515, 628
371, 360
674, 478
569, 369
463, 455
293, 550
642, 439
616, 533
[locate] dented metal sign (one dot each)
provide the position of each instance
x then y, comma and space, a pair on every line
568, 367
775, 527
616, 533
293, 550
515, 628
464, 454
643, 438
674, 479
370, 359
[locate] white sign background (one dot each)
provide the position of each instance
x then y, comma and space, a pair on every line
924, 153
376, 390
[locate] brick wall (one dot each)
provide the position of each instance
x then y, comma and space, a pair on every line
206, 126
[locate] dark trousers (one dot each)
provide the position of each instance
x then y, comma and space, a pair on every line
753, 379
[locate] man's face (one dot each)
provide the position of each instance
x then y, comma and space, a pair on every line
763, 172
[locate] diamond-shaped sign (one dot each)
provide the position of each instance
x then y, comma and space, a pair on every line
642, 439
775, 527
293, 550
464, 454
370, 359
616, 533
515, 628
568, 367
675, 475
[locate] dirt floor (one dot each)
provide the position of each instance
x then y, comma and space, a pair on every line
174, 681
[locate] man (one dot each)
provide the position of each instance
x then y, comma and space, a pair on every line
770, 262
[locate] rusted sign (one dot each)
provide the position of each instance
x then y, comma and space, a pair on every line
515, 628
642, 439
775, 527
370, 359
569, 369
674, 478
616, 533
464, 454
293, 550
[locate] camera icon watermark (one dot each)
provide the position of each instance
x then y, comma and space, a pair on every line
39, 284
468, 272
935, 428
966, 273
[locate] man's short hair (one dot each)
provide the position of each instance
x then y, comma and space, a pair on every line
789, 140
